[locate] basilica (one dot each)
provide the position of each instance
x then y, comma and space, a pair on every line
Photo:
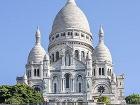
73, 69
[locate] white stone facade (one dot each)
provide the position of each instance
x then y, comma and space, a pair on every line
73, 70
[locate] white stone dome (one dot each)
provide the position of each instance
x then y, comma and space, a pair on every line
46, 57
37, 54
102, 53
70, 17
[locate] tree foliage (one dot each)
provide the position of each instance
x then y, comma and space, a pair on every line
19, 94
104, 99
133, 99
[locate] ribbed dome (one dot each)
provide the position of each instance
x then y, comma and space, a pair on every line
70, 16
37, 54
102, 53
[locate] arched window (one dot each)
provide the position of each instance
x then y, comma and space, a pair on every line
57, 55
77, 54
52, 57
79, 78
55, 87
80, 87
67, 76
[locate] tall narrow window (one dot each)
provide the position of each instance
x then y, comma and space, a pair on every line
69, 60
34, 72
67, 76
38, 73
57, 55
94, 72
77, 54
103, 71
55, 87
52, 57
100, 71
80, 88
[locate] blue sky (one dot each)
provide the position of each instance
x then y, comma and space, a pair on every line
120, 18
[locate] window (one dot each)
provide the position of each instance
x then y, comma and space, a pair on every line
82, 35
69, 33
80, 88
52, 38
94, 72
55, 87
63, 34
29, 73
103, 71
57, 35
76, 34
37, 89
87, 37
67, 76
101, 89
52, 57
57, 55
77, 54
35, 73
100, 71
38, 73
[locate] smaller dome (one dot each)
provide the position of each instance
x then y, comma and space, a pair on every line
37, 54
46, 57
102, 53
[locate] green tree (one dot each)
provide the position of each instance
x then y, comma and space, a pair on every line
19, 94
104, 99
133, 99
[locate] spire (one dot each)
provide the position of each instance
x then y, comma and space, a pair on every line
101, 34
38, 36
71, 1
25, 76
25, 79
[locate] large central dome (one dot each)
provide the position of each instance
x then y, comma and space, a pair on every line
70, 17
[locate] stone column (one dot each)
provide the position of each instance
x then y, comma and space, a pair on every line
73, 86
32, 71
62, 84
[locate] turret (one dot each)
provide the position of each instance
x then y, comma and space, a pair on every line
25, 79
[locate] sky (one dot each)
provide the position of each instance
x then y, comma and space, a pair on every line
120, 19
